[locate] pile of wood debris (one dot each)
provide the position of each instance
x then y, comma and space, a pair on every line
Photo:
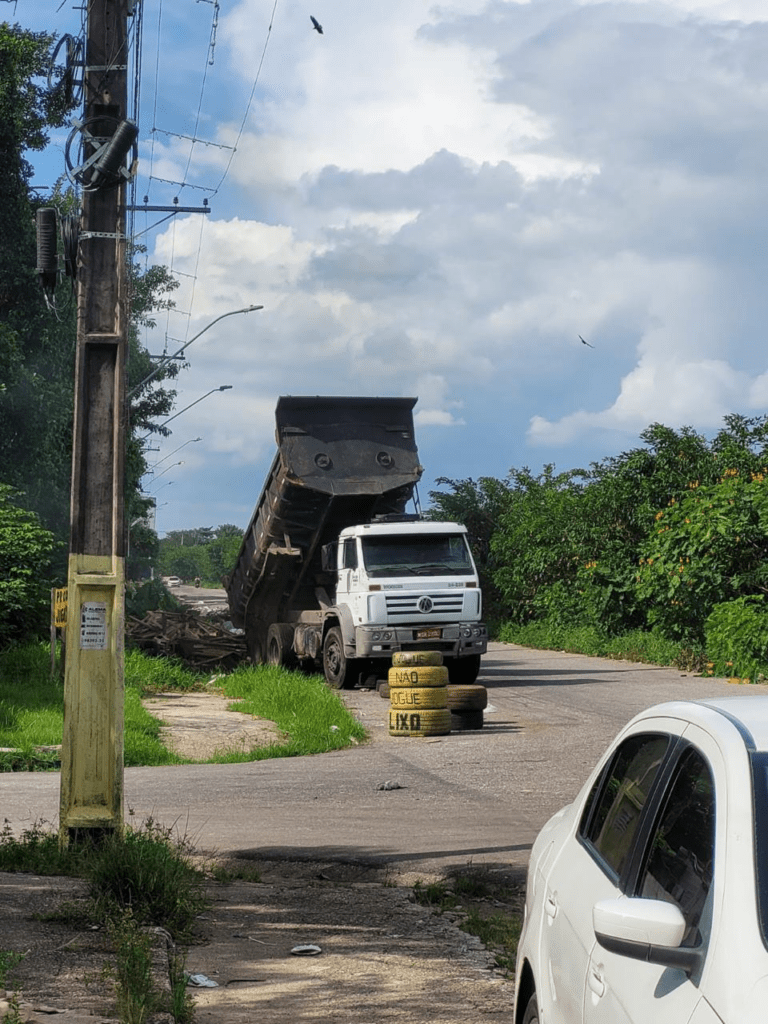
197, 641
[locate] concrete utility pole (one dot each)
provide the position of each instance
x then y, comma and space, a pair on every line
92, 752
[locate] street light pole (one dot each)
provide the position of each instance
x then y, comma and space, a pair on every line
179, 352
190, 441
224, 387
173, 465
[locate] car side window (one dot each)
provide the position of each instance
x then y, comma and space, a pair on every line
681, 854
616, 805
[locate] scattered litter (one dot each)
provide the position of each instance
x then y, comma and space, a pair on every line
202, 981
306, 950
391, 785
334, 728
489, 709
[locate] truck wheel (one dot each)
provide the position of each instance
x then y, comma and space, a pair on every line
464, 671
339, 670
279, 644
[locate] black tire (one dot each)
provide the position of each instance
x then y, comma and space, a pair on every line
383, 689
463, 671
340, 671
463, 721
531, 1015
467, 698
279, 644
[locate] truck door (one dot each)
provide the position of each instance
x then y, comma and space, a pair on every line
348, 569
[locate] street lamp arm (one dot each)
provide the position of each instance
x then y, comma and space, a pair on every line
224, 387
179, 352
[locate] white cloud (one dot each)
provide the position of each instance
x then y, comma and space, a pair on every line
440, 200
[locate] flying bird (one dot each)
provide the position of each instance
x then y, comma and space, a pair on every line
316, 25
585, 342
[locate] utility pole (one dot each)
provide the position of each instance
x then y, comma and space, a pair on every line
91, 799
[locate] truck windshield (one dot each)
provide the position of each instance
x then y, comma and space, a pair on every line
418, 554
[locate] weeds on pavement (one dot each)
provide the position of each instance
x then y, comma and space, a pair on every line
498, 929
142, 878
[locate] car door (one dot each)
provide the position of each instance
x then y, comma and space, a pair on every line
674, 862
588, 868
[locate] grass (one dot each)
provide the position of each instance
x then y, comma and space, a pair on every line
9, 958
638, 645
142, 878
491, 910
312, 717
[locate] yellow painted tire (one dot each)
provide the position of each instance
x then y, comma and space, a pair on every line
467, 698
401, 658
412, 698
420, 723
426, 675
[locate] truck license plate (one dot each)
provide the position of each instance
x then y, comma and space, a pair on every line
428, 634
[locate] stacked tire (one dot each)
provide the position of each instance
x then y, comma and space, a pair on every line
467, 704
418, 694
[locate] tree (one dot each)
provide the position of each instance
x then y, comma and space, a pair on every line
25, 571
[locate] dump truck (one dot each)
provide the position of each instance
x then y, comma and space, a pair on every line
333, 574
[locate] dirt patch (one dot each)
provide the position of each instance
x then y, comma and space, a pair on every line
381, 956
199, 725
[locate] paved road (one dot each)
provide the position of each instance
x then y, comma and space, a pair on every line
474, 796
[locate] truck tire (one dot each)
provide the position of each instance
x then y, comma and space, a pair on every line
419, 723
400, 658
467, 698
403, 698
279, 644
339, 670
464, 671
427, 675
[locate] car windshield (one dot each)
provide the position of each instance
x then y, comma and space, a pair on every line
760, 786
418, 554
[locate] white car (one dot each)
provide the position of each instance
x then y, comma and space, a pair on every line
172, 581
647, 899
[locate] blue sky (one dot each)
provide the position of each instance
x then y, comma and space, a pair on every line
436, 200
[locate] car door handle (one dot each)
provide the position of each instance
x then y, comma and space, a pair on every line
550, 906
596, 983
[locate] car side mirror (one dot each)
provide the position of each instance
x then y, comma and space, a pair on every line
649, 930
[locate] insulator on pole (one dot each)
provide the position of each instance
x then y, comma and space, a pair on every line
47, 259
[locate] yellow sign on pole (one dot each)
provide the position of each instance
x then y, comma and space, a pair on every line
60, 607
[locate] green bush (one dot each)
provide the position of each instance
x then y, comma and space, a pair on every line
737, 637
25, 559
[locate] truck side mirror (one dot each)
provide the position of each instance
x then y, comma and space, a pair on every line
328, 558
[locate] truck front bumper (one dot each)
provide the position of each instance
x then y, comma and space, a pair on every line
455, 640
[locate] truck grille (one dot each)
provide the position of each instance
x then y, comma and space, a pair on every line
407, 606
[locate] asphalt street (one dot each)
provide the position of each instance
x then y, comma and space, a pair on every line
476, 797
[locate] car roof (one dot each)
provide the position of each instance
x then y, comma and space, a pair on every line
747, 713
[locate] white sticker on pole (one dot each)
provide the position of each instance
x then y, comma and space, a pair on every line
93, 626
